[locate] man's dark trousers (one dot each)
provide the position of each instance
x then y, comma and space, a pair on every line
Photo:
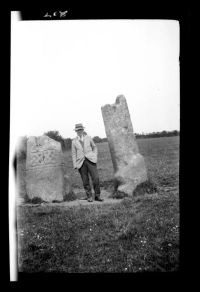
87, 168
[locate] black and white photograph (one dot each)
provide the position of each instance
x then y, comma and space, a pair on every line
94, 145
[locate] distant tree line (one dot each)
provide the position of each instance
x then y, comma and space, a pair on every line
66, 143
97, 139
158, 134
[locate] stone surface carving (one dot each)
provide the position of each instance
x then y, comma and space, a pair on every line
45, 169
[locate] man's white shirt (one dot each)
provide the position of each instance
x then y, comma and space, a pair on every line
80, 138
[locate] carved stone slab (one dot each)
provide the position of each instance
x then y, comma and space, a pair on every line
44, 169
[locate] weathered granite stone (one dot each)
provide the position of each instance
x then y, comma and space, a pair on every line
20, 168
128, 163
45, 169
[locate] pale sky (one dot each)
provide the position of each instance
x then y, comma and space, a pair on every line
62, 72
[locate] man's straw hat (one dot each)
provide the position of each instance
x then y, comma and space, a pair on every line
79, 127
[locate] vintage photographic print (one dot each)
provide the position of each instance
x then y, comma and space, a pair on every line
94, 145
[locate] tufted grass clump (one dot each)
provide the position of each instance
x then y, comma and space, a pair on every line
70, 196
119, 195
147, 187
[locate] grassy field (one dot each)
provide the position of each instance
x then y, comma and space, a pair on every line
161, 157
139, 234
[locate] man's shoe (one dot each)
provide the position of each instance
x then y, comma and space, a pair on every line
99, 199
90, 200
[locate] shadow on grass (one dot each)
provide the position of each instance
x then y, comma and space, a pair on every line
37, 200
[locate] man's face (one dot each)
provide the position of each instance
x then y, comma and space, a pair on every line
79, 132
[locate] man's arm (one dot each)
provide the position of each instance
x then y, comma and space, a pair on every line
94, 147
74, 155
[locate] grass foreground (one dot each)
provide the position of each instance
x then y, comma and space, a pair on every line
139, 234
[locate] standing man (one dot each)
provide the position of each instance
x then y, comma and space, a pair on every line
84, 157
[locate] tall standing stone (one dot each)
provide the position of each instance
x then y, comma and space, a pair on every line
45, 169
128, 163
